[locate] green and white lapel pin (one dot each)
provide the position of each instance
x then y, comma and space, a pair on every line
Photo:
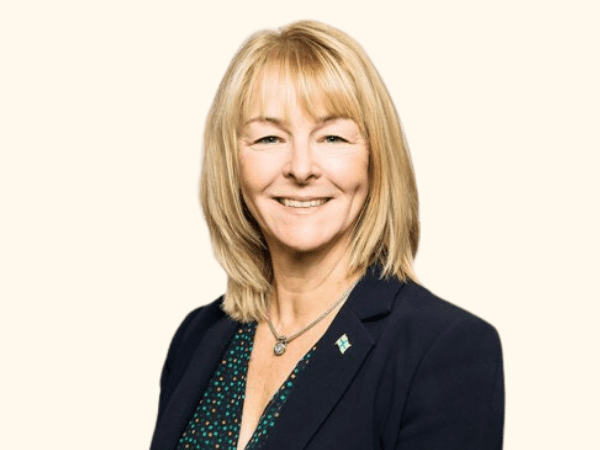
343, 343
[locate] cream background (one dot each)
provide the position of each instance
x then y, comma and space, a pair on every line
103, 249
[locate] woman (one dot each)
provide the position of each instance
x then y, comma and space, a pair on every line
324, 338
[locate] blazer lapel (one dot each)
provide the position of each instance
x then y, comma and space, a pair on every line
330, 370
193, 384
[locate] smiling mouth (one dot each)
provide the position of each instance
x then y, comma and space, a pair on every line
302, 204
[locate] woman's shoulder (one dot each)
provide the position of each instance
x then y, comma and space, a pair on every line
194, 327
431, 320
447, 361
416, 300
199, 320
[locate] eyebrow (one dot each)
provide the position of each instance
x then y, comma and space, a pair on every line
283, 124
272, 120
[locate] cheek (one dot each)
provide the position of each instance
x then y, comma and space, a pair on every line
256, 172
360, 172
351, 174
250, 185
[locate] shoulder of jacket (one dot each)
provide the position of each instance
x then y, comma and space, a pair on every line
418, 300
191, 331
417, 307
200, 319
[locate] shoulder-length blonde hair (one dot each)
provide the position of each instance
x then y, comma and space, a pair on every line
315, 60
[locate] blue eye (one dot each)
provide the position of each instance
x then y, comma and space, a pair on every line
267, 140
334, 139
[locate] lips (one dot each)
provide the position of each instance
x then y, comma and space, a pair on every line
307, 203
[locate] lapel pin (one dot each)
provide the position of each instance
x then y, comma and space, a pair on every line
343, 343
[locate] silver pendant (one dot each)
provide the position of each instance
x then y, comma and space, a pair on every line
279, 348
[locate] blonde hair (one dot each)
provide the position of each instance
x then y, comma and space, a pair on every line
315, 60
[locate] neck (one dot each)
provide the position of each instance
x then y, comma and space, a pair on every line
306, 286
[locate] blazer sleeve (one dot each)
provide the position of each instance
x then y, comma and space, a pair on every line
174, 347
456, 399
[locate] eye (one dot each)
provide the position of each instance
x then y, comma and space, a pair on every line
334, 139
267, 140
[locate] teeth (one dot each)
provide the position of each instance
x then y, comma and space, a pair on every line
298, 204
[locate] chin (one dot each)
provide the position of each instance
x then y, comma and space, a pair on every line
308, 244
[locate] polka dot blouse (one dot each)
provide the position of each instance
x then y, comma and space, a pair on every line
216, 421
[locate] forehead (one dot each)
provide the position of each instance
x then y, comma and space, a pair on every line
275, 92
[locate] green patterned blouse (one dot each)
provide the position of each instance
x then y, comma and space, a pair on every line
215, 423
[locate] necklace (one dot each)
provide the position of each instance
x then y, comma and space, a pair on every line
282, 341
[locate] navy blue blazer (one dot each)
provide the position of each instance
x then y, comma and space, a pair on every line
420, 373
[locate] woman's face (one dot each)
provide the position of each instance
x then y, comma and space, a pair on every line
304, 179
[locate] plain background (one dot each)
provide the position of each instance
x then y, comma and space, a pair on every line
103, 248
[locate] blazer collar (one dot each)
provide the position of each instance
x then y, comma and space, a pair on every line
373, 295
317, 390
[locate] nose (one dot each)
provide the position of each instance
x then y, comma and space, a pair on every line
301, 165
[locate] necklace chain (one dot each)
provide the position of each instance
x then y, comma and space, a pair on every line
282, 341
